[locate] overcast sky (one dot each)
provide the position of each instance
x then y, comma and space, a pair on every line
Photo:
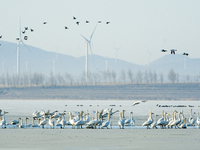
137, 26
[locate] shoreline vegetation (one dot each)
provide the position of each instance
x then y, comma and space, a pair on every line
104, 91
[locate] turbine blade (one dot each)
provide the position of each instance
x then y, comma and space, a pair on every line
25, 46
85, 38
93, 33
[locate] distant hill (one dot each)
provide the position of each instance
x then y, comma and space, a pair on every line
41, 61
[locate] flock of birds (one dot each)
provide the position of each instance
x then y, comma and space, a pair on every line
165, 122
45, 22
102, 119
173, 51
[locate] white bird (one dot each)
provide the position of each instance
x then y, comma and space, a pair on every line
154, 124
106, 123
35, 125
183, 125
149, 121
138, 102
191, 119
81, 122
93, 122
71, 120
176, 121
51, 122
22, 125
63, 121
171, 120
122, 119
14, 122
198, 120
130, 121
161, 121
1, 113
3, 122
43, 122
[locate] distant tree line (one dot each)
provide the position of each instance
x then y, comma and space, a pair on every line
105, 77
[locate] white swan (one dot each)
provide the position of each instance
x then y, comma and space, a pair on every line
130, 120
198, 120
191, 119
3, 122
22, 125
149, 121
106, 123
176, 121
81, 122
183, 125
122, 119
51, 122
35, 125
43, 122
71, 120
93, 122
154, 124
14, 122
161, 122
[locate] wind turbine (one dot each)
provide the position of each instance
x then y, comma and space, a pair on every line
86, 57
19, 41
116, 54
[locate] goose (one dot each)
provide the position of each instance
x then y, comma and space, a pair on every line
191, 119
154, 124
149, 121
198, 120
3, 122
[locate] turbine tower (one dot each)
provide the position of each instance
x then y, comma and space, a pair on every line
19, 41
86, 55
116, 54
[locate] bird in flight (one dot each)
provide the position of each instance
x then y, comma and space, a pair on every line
185, 54
74, 17
107, 22
26, 28
163, 50
173, 51
45, 22
0, 36
87, 21
32, 30
77, 23
66, 27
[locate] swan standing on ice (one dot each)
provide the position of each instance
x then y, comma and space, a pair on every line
22, 125
3, 122
149, 121
106, 123
198, 120
35, 125
176, 122
191, 119
154, 124
130, 121
51, 122
122, 119
43, 122
183, 125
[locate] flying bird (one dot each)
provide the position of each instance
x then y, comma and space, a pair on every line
23, 32
185, 54
107, 22
99, 21
173, 51
17, 38
0, 36
32, 30
163, 50
138, 102
87, 21
74, 17
26, 28
25, 37
66, 27
77, 23
45, 22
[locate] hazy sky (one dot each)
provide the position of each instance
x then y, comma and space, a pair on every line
137, 26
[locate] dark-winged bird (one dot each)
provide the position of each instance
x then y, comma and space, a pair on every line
87, 21
45, 22
66, 27
25, 37
107, 22
77, 23
173, 51
26, 28
185, 54
74, 17
32, 30
163, 50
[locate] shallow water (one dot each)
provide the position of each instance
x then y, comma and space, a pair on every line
25, 108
